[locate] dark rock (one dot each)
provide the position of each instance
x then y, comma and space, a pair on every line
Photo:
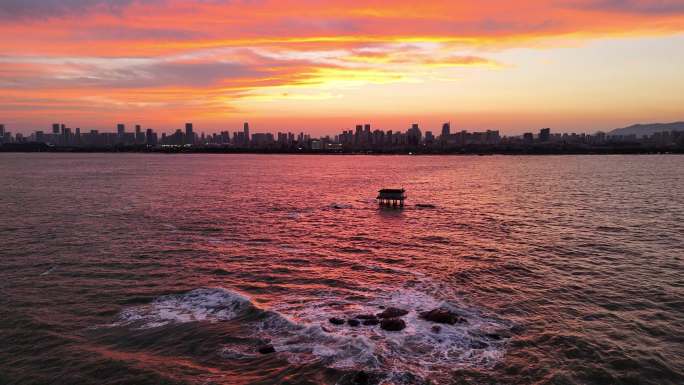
436, 329
370, 322
426, 206
442, 316
336, 321
361, 378
478, 345
366, 316
493, 336
392, 312
353, 322
392, 324
267, 349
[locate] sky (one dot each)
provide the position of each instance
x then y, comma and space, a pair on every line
324, 66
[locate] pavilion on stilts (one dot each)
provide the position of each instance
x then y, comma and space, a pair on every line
392, 197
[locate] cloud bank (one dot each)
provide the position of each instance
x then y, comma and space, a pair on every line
204, 54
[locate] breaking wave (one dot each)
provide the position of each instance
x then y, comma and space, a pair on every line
205, 304
302, 334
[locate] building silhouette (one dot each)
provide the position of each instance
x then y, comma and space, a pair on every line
139, 135
544, 134
446, 130
245, 130
361, 139
189, 134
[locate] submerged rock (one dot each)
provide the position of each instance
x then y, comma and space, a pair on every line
392, 312
353, 322
371, 322
425, 206
393, 324
436, 329
442, 316
366, 316
336, 321
267, 349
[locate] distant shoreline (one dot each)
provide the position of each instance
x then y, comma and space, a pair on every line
471, 150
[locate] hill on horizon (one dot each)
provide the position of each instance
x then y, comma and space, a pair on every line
641, 130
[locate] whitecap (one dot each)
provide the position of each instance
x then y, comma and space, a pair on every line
205, 304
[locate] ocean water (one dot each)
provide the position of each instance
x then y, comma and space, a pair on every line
175, 269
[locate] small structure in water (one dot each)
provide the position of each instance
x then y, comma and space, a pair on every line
392, 197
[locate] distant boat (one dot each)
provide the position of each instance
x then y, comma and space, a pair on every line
391, 197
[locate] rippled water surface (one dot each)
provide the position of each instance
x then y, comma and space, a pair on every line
154, 269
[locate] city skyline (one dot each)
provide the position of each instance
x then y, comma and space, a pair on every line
313, 131
580, 66
364, 138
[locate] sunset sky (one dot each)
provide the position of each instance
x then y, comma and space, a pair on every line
323, 66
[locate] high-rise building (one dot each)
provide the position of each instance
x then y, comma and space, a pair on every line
189, 134
245, 129
358, 135
446, 130
262, 140
139, 135
150, 137
429, 138
414, 135
544, 134
493, 137
55, 128
120, 130
2, 130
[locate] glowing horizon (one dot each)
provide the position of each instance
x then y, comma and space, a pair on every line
579, 65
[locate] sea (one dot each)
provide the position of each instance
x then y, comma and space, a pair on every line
180, 269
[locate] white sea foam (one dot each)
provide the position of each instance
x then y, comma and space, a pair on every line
415, 351
206, 304
301, 332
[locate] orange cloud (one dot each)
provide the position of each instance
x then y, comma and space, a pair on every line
157, 56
